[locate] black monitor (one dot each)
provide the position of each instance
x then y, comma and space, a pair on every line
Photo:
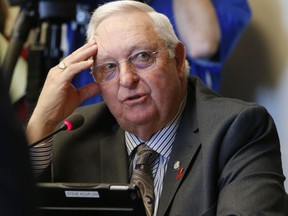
85, 199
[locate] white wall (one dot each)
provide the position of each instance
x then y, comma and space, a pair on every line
258, 69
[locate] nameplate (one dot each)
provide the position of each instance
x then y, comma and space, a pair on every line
82, 194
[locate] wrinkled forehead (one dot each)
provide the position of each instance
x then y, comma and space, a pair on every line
126, 30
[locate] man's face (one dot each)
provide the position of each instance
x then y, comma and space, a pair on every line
147, 100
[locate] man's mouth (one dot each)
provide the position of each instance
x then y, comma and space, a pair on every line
134, 97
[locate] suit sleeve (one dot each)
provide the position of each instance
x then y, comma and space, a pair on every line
250, 168
251, 176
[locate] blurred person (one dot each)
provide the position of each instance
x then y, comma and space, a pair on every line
210, 29
215, 155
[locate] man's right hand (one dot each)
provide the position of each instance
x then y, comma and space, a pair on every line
59, 98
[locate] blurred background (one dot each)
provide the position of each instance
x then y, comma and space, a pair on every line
258, 68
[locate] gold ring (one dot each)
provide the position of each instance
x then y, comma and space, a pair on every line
62, 66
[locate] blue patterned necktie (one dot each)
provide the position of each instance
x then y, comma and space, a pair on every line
142, 176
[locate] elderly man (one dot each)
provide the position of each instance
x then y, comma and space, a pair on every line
212, 155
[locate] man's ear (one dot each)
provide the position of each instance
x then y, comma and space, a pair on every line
180, 57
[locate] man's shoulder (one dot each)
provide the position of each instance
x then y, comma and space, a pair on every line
208, 100
97, 115
92, 108
213, 109
216, 116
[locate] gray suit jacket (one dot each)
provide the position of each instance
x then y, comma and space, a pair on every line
228, 149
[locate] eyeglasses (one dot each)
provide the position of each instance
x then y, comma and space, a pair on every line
140, 62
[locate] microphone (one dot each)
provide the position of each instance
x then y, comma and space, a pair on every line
73, 122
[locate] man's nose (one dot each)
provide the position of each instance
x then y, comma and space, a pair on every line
127, 75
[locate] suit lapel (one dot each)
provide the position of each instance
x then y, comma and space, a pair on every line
185, 148
114, 158
184, 151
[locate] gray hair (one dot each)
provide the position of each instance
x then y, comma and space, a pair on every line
162, 27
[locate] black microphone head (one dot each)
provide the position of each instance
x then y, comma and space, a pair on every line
74, 121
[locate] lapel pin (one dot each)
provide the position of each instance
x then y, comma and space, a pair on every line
177, 165
180, 173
